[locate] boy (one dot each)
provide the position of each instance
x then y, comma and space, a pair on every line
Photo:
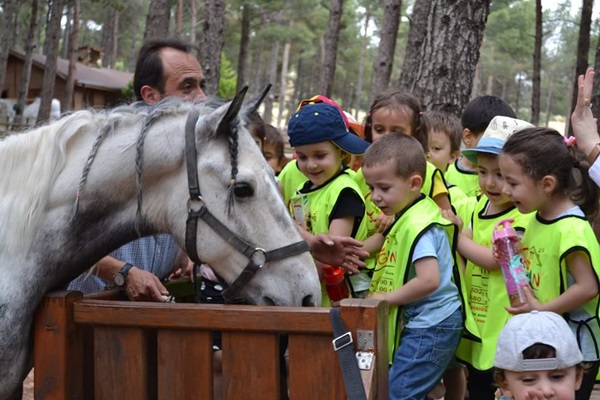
483, 284
414, 267
475, 119
329, 200
538, 358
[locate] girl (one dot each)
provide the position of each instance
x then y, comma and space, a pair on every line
329, 201
395, 111
543, 172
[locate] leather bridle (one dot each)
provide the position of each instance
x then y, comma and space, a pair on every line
257, 256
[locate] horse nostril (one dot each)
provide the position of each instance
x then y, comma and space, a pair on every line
267, 301
308, 301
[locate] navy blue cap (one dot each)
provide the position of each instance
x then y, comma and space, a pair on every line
319, 122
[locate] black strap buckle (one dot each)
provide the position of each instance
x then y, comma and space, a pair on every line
342, 341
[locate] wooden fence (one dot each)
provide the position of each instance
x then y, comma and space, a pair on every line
86, 348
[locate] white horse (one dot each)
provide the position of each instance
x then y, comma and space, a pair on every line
56, 221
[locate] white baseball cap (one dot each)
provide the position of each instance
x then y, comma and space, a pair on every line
525, 330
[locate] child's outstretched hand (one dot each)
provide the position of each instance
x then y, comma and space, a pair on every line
455, 219
382, 222
531, 303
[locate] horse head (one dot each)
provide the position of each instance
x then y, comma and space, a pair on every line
245, 233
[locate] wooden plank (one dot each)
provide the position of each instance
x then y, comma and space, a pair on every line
314, 371
57, 349
250, 366
185, 364
121, 364
215, 317
370, 315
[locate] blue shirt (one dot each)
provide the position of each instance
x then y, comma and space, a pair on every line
156, 254
440, 304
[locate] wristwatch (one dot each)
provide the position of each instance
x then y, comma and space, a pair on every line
120, 277
594, 154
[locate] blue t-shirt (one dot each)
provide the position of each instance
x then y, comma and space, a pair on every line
440, 304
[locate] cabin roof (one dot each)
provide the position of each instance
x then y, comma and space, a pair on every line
99, 78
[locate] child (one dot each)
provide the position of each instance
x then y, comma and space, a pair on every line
475, 119
543, 173
483, 283
395, 111
330, 200
273, 148
444, 132
537, 358
414, 268
290, 176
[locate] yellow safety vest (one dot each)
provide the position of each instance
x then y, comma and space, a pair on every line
485, 291
395, 258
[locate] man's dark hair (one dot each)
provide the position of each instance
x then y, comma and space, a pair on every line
481, 110
149, 68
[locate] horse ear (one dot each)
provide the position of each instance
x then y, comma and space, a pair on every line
232, 112
255, 103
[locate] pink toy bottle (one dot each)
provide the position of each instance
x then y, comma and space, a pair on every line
506, 243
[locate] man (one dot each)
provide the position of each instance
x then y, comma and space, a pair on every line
164, 68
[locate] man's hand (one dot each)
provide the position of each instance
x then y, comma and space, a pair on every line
338, 250
142, 285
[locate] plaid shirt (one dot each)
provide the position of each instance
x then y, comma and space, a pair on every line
156, 254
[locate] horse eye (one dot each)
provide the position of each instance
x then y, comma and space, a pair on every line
243, 190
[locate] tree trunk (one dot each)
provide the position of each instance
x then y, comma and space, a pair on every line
382, 69
53, 33
268, 115
64, 52
73, 44
583, 48
283, 77
193, 21
549, 98
244, 42
453, 27
331, 45
157, 20
6, 42
361, 66
537, 65
179, 18
211, 43
29, 46
109, 37
416, 36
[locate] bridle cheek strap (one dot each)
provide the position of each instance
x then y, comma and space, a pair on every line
257, 256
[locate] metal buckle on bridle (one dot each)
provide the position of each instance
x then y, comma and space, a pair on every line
259, 257
195, 204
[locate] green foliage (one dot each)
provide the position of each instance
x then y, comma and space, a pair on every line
127, 91
228, 79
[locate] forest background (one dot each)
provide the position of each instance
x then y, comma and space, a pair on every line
446, 52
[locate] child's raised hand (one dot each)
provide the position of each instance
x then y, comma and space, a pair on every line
531, 303
582, 119
382, 222
455, 219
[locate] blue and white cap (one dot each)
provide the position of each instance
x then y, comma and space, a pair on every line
496, 134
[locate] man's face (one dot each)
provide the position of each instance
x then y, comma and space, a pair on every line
183, 75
